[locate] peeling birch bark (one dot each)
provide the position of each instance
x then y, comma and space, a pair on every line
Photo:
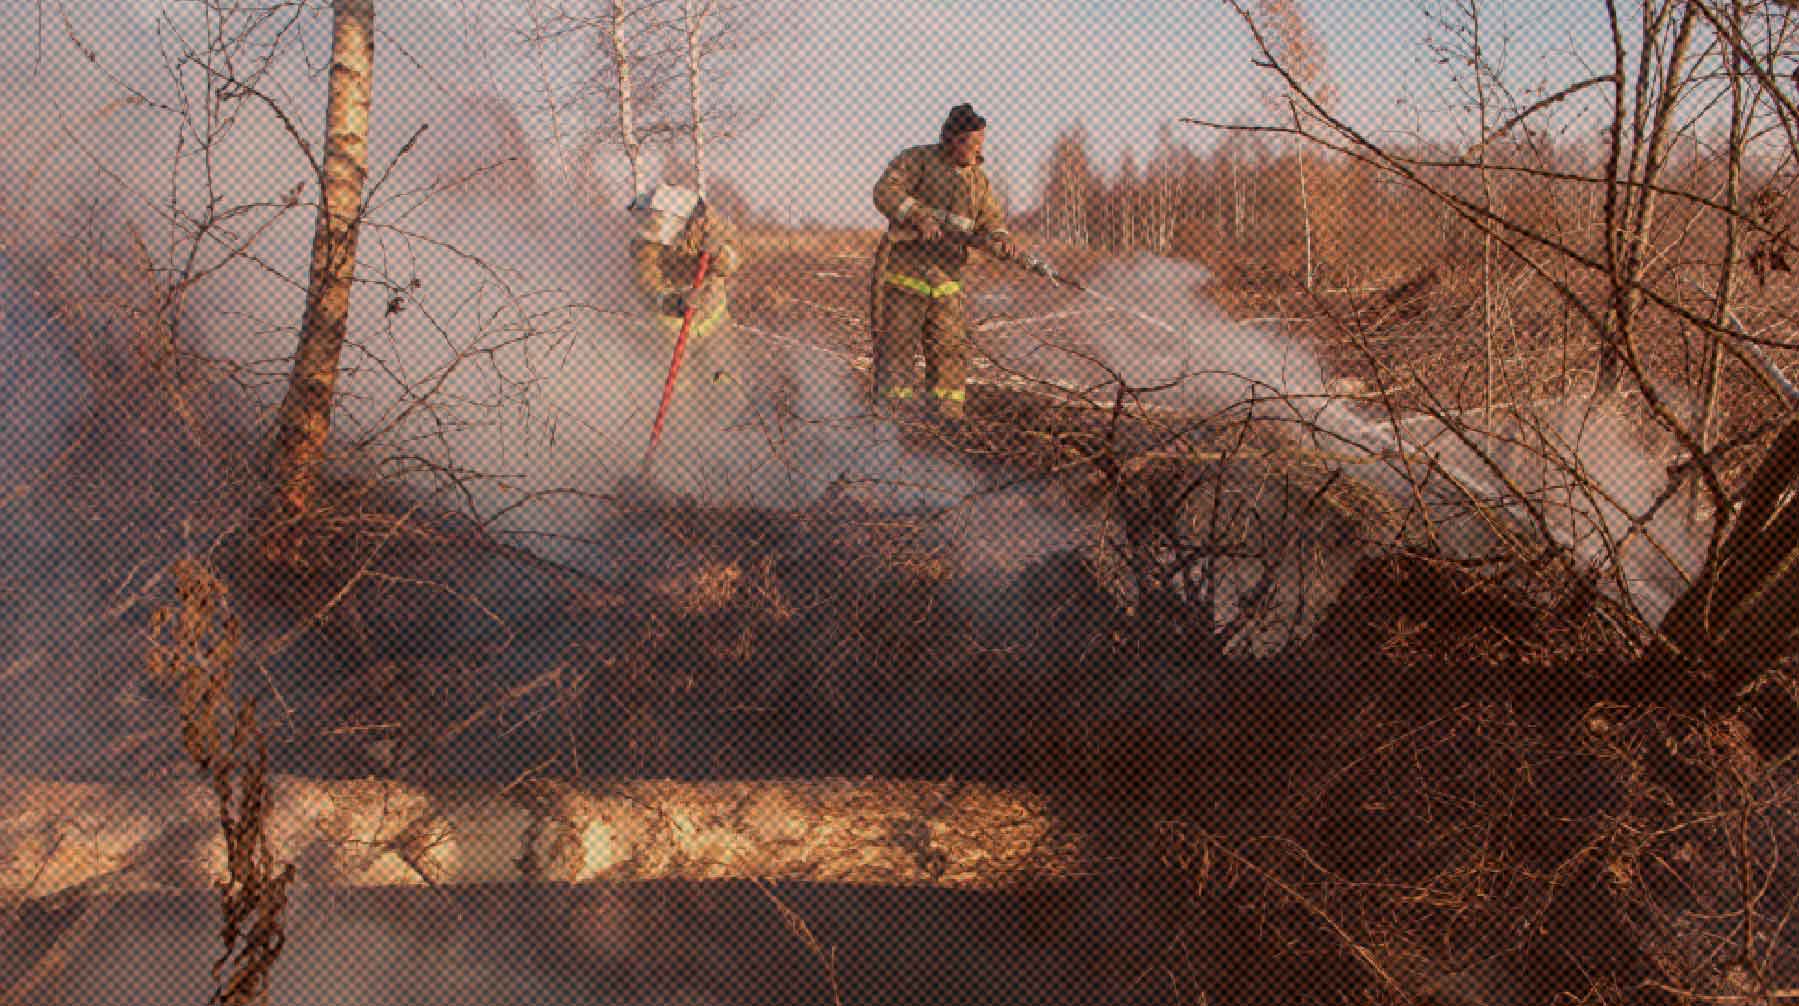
58, 836
303, 425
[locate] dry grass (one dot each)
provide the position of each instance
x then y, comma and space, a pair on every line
194, 644
1399, 827
816, 244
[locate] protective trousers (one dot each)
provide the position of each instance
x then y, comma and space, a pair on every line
938, 326
714, 381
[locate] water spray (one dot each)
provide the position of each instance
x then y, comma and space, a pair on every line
1382, 444
1030, 262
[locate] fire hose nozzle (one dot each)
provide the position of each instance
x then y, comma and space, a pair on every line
1032, 263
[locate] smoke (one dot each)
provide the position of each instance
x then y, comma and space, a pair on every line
386, 949
1181, 347
1601, 482
41, 389
42, 394
1590, 473
500, 363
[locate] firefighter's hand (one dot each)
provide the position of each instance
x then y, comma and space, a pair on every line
1000, 246
927, 227
711, 233
704, 301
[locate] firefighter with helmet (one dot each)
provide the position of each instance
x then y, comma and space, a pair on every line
939, 204
674, 225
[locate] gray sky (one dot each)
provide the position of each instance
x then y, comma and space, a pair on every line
861, 80
852, 83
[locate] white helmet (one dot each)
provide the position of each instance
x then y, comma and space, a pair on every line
666, 208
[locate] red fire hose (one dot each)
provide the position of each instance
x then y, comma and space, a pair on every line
674, 365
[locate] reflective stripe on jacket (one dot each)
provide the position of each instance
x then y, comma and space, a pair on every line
664, 275
913, 284
702, 327
921, 179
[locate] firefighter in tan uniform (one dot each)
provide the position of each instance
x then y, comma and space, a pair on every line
938, 203
673, 227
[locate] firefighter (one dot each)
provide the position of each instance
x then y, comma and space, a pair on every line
938, 203
674, 225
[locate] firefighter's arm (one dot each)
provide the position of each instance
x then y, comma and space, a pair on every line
653, 282
714, 234
990, 223
725, 261
893, 193
894, 198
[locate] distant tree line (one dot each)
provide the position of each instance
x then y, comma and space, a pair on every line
1237, 206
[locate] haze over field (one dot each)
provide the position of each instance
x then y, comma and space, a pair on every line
1321, 592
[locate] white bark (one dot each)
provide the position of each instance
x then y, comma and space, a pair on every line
1305, 212
693, 26
625, 93
1162, 214
55, 836
303, 425
1237, 200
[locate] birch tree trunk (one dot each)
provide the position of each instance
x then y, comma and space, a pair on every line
160, 835
1237, 200
1305, 216
626, 94
303, 425
693, 25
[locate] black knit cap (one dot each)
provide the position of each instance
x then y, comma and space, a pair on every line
962, 120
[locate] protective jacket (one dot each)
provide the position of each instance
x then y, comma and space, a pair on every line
665, 272
921, 179
915, 289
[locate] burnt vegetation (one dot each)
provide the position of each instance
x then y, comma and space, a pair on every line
1457, 671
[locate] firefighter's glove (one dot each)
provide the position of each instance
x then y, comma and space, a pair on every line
1029, 260
1000, 246
704, 301
711, 234
926, 225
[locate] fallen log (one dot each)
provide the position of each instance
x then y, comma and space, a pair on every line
165, 835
